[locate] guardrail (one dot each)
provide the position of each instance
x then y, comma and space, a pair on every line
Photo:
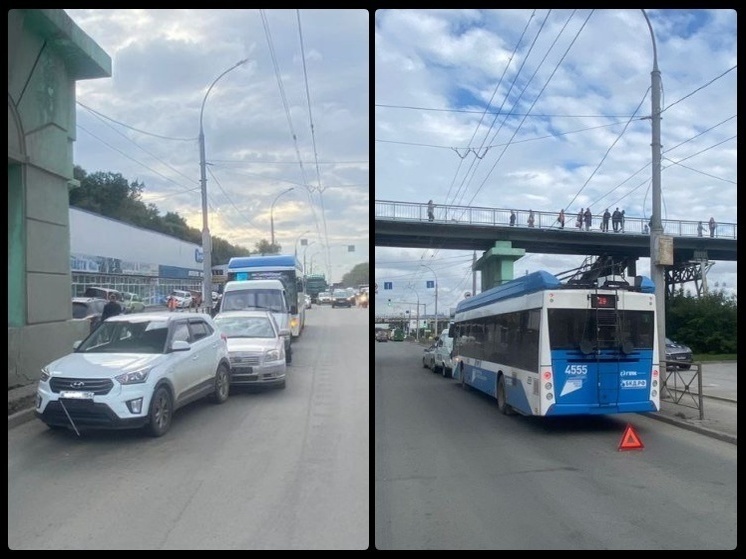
468, 215
677, 386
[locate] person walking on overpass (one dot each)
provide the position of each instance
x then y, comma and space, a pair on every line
700, 229
561, 218
512, 218
588, 219
713, 226
615, 220
579, 222
430, 211
621, 221
605, 221
530, 218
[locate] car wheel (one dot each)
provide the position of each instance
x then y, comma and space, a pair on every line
222, 384
686, 367
161, 412
445, 372
502, 403
289, 356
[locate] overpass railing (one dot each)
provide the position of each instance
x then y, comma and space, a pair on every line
468, 215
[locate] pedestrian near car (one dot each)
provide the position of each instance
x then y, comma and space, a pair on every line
588, 219
530, 218
111, 308
512, 218
605, 221
713, 226
700, 229
430, 211
561, 218
171, 302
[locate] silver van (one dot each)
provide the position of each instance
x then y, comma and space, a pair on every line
264, 295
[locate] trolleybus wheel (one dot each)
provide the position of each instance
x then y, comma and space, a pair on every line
502, 405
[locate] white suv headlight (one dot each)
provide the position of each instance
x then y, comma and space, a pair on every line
44, 375
135, 377
272, 355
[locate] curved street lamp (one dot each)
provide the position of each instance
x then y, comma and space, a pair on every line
206, 241
657, 270
271, 214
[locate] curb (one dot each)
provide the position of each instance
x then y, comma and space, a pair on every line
696, 428
21, 417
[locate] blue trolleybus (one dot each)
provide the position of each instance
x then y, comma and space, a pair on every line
284, 267
541, 347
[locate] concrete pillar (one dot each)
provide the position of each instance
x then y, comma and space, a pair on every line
496, 264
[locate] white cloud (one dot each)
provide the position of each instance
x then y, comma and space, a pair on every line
573, 150
163, 62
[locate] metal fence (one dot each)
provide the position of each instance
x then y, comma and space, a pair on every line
411, 211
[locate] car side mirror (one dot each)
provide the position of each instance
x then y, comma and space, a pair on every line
284, 332
180, 345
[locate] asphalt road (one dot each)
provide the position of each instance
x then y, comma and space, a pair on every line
273, 469
452, 473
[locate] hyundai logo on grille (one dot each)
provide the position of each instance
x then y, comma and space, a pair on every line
77, 384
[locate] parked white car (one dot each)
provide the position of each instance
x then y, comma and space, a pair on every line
183, 298
135, 370
256, 345
442, 361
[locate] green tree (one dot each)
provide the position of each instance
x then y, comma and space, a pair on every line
111, 195
707, 324
357, 276
265, 247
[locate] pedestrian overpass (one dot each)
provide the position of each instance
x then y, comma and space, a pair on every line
488, 230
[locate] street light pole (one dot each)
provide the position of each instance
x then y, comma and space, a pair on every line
206, 240
417, 329
657, 270
271, 214
437, 333
296, 244
304, 254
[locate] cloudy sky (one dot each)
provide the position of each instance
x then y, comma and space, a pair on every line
294, 115
576, 88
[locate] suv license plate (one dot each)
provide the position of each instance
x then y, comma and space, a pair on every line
76, 395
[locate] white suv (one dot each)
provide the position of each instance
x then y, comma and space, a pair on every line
442, 362
134, 371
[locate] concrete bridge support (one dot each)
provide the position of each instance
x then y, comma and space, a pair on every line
496, 264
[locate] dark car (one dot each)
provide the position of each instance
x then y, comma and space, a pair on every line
382, 336
341, 298
679, 353
88, 308
94, 291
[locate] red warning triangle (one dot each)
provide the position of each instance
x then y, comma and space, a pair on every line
630, 440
